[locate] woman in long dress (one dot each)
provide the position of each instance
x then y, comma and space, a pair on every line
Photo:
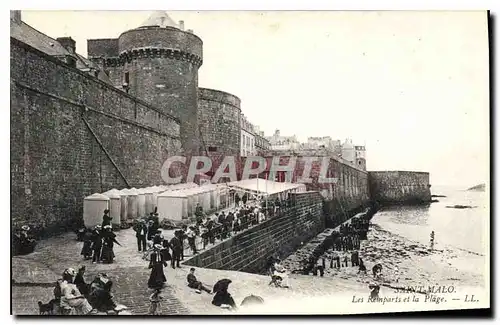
109, 238
157, 261
71, 296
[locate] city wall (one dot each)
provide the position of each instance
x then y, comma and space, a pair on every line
399, 187
219, 117
73, 135
250, 250
343, 199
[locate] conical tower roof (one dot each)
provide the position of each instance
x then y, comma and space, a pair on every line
161, 19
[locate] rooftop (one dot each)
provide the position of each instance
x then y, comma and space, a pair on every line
160, 19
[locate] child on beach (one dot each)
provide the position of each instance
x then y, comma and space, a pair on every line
155, 299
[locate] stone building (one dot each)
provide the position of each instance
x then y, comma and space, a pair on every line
247, 138
360, 155
325, 142
262, 144
280, 142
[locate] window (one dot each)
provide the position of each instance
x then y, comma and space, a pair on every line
127, 79
212, 149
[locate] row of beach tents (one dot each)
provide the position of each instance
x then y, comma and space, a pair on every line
173, 202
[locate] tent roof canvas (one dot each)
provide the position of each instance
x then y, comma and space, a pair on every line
263, 186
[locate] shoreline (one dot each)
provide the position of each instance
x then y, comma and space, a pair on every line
406, 263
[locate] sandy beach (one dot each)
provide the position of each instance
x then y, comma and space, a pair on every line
410, 264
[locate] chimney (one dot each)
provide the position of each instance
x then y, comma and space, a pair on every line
181, 24
68, 43
15, 15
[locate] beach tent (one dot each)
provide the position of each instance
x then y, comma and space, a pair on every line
173, 205
182, 186
123, 204
150, 205
155, 190
93, 209
263, 187
114, 205
132, 204
141, 202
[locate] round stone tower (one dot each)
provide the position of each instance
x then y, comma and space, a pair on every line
161, 63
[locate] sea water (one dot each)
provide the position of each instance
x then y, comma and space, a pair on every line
460, 229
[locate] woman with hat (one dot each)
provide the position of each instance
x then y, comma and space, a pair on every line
71, 298
157, 261
109, 238
106, 219
96, 244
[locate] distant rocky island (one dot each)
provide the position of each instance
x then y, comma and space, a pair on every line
479, 188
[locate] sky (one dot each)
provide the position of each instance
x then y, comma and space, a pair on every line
412, 86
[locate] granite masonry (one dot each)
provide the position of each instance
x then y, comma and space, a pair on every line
73, 135
400, 187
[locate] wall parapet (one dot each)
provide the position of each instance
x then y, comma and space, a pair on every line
399, 187
219, 96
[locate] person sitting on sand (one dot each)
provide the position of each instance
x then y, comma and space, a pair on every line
377, 269
281, 272
193, 283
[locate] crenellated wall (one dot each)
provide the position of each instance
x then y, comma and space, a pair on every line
73, 135
249, 251
160, 66
400, 187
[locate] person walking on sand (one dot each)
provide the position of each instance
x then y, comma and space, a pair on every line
362, 267
354, 258
346, 261
432, 240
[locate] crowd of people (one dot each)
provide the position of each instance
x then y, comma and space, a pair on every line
74, 296
98, 243
23, 241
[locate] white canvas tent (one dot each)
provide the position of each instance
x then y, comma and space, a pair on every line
181, 203
173, 205
264, 187
141, 202
114, 205
93, 209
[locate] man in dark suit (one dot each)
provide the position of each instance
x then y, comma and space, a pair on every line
140, 233
176, 246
